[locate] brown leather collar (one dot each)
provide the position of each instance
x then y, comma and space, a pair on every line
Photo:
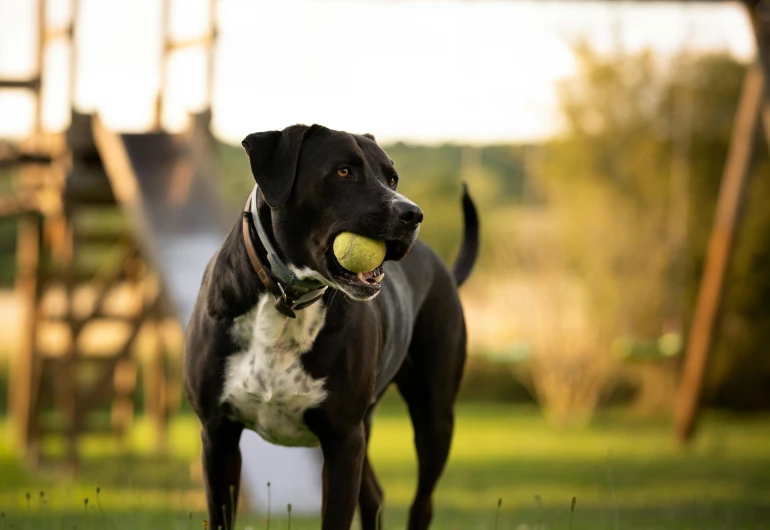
287, 299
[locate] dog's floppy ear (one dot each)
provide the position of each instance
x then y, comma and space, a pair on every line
370, 136
273, 156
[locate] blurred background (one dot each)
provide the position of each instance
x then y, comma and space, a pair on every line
618, 317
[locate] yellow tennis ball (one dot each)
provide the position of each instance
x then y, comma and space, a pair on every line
357, 253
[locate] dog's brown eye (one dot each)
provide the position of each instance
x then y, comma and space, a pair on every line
393, 182
343, 172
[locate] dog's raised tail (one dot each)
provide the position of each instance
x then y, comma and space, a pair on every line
469, 249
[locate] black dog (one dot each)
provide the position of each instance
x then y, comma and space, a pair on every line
284, 341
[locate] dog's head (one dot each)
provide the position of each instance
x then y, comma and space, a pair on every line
316, 183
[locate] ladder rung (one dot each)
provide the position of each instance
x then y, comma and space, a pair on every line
57, 33
101, 237
32, 84
17, 205
25, 158
197, 41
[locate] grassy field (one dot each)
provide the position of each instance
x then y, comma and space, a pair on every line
624, 473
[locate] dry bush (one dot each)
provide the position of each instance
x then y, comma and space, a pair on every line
534, 298
570, 369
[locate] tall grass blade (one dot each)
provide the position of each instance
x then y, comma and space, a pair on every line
40, 509
268, 507
101, 510
288, 510
610, 480
232, 506
572, 512
497, 517
224, 516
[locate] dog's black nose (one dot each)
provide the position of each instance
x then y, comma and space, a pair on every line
409, 213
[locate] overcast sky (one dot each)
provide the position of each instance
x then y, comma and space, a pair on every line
428, 71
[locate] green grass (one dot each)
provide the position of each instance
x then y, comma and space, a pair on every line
625, 474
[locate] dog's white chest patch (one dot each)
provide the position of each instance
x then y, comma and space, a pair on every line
265, 383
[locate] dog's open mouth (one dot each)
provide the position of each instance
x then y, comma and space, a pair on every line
369, 282
370, 279
363, 285
366, 284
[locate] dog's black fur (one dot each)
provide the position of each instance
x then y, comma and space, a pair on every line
412, 334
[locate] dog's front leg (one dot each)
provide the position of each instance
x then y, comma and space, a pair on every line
343, 452
221, 459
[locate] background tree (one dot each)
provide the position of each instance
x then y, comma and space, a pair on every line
609, 181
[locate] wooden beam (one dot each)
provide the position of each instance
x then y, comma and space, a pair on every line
766, 120
760, 22
729, 205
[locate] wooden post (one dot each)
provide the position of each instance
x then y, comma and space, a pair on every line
729, 205
156, 381
25, 380
123, 403
211, 48
68, 377
41, 42
73, 71
25, 369
155, 369
165, 16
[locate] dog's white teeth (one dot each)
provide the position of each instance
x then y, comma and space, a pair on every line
361, 277
379, 278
